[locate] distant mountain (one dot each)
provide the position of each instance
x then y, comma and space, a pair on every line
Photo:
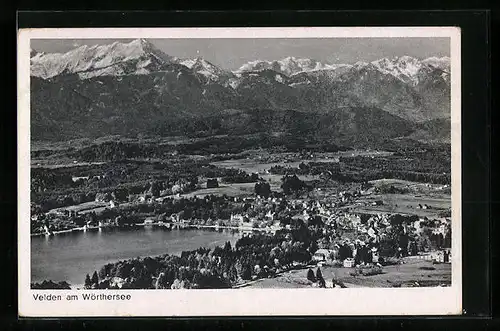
442, 63
405, 68
207, 70
288, 66
129, 88
116, 59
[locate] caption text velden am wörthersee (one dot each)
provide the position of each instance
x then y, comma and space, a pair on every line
82, 296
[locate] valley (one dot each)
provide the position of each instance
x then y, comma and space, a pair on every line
108, 188
212, 178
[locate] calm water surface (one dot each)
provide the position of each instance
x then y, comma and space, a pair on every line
69, 256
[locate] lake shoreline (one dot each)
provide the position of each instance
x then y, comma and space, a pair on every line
173, 227
70, 257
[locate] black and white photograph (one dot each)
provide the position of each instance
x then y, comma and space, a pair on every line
239, 164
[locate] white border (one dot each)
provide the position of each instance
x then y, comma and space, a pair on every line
241, 302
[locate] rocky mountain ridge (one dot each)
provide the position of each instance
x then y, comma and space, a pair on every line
124, 88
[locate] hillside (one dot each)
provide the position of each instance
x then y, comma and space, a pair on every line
128, 89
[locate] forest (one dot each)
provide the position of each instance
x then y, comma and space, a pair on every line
66, 186
427, 166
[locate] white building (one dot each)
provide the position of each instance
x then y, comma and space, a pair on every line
349, 263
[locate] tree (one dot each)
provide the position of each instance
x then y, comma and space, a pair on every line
413, 248
50, 285
197, 280
88, 282
176, 284
120, 194
447, 240
310, 275
227, 247
292, 184
319, 274
263, 189
160, 281
95, 278
322, 282
233, 274
154, 190
345, 252
315, 220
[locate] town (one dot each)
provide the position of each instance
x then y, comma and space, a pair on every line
329, 223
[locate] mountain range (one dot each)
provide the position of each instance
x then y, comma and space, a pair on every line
129, 88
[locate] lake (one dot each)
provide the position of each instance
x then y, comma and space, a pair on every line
70, 256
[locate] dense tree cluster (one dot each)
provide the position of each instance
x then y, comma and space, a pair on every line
66, 186
429, 166
240, 176
258, 256
262, 189
120, 150
292, 184
236, 144
50, 285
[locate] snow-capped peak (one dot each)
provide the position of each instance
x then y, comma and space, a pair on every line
404, 68
442, 63
205, 68
188, 63
288, 66
109, 59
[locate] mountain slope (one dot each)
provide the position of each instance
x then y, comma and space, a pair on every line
207, 70
136, 57
126, 89
288, 66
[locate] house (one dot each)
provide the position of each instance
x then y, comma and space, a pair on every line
212, 183
438, 256
176, 189
102, 197
375, 255
349, 263
148, 221
237, 218
270, 215
322, 255
175, 218
372, 232
75, 178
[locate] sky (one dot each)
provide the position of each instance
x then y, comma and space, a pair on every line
232, 53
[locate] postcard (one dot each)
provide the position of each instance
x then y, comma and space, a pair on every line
239, 171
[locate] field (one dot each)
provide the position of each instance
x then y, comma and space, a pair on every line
406, 274
259, 163
232, 190
403, 204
